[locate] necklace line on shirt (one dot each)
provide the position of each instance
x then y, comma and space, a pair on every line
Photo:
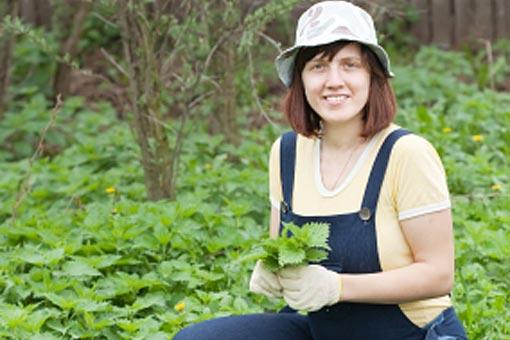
352, 151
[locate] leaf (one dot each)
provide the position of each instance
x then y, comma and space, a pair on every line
319, 234
290, 255
44, 336
78, 268
36, 319
147, 301
38, 256
168, 268
86, 305
33, 258
240, 304
162, 234
128, 325
103, 261
316, 255
65, 301
157, 336
208, 276
271, 263
270, 248
294, 230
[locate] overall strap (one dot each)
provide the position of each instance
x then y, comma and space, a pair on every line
287, 164
377, 175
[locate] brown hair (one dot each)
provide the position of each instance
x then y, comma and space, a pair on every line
381, 105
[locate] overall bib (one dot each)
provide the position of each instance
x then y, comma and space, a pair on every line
353, 245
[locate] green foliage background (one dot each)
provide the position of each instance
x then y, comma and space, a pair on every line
87, 256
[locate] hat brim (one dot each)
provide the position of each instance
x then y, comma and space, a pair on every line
284, 62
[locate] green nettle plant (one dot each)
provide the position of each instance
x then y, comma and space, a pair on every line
296, 246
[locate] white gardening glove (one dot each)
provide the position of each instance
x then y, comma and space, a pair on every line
265, 282
311, 287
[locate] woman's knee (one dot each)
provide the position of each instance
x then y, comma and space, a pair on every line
286, 326
184, 334
206, 330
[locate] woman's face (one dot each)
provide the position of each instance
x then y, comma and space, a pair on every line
337, 89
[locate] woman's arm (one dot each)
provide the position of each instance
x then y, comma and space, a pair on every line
430, 238
274, 222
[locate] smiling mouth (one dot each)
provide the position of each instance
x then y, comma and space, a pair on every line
337, 99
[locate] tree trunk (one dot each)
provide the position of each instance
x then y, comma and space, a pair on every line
37, 13
227, 109
145, 103
6, 47
62, 80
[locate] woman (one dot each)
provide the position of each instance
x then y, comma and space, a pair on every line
382, 190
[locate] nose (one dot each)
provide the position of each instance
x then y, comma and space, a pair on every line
335, 78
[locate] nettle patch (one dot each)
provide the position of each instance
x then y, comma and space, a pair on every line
88, 257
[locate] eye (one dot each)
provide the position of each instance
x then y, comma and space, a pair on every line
352, 64
317, 66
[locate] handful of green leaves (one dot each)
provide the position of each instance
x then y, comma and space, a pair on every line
308, 243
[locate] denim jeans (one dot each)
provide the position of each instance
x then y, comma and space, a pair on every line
446, 326
293, 326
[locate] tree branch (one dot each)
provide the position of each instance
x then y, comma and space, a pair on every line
25, 185
112, 61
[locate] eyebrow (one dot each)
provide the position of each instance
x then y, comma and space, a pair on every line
348, 57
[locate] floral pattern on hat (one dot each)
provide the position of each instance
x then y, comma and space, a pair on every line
327, 22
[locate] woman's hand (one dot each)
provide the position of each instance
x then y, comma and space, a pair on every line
310, 287
264, 282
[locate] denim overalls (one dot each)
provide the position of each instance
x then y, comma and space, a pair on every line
354, 250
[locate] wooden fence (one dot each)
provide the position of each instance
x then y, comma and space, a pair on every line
447, 23
454, 23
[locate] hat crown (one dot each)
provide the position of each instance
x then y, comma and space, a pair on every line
329, 18
327, 22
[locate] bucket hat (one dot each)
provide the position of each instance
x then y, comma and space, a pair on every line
327, 22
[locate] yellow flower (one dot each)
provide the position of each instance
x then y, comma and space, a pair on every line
496, 187
447, 129
179, 307
477, 138
111, 190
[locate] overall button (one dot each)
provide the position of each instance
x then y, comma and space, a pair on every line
365, 214
284, 207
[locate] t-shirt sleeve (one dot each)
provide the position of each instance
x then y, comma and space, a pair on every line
420, 185
275, 187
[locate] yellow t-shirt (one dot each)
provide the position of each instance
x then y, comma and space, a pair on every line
414, 185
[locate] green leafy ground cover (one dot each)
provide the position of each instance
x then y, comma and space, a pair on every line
88, 257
